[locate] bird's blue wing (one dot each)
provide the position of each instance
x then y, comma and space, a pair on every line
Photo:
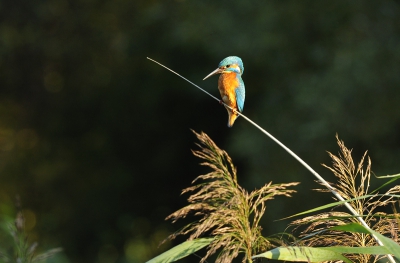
240, 95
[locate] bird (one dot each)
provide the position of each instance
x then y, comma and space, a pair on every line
231, 85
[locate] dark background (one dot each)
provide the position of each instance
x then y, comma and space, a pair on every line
96, 140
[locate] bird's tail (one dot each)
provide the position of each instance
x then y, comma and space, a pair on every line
232, 116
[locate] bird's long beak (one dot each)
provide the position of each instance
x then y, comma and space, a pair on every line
217, 71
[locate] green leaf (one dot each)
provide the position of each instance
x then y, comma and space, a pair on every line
351, 227
339, 203
388, 176
303, 254
328, 206
374, 250
182, 250
394, 178
318, 254
390, 246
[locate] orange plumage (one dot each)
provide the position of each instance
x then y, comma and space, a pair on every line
227, 83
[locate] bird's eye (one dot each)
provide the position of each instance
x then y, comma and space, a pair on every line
227, 66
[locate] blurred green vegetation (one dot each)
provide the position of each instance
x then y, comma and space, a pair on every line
95, 138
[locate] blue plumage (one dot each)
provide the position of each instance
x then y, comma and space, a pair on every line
232, 60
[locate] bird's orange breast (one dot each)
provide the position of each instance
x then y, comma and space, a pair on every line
227, 84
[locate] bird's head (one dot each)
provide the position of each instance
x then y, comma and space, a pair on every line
229, 65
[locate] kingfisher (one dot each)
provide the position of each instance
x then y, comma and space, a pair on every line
231, 85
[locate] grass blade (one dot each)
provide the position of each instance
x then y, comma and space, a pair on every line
303, 254
328, 206
182, 250
391, 246
394, 178
318, 254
